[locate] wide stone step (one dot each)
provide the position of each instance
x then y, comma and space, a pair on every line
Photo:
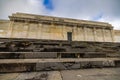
21, 65
37, 55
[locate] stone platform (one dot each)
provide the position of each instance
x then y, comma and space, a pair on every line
81, 74
29, 65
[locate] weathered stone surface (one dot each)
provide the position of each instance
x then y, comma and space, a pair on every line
28, 65
81, 74
92, 74
23, 25
117, 35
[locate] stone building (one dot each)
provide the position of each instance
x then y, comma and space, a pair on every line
22, 25
117, 35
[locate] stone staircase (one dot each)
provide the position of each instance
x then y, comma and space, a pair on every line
44, 61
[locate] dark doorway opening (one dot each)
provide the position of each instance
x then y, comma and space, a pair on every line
69, 36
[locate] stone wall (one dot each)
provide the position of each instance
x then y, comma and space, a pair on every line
117, 35
32, 26
4, 28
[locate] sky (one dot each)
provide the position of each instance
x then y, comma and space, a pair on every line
95, 10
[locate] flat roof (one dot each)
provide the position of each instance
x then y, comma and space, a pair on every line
57, 19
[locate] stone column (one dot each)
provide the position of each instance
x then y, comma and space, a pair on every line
37, 33
10, 30
112, 35
74, 33
84, 32
27, 24
94, 33
64, 34
103, 34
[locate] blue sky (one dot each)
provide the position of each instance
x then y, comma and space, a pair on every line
48, 4
95, 10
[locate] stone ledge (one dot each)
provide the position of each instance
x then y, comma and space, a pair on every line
58, 19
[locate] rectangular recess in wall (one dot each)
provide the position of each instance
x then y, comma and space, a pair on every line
69, 36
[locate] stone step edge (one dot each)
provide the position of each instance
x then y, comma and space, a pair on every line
8, 61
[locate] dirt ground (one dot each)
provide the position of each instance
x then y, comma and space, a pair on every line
81, 74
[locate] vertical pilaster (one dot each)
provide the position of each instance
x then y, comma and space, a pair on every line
84, 32
28, 30
41, 31
103, 35
74, 33
11, 29
112, 35
26, 24
94, 33
63, 32
37, 33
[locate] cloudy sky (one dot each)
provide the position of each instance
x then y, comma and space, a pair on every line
95, 10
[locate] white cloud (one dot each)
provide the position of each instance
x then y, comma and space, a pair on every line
8, 7
115, 22
100, 10
103, 10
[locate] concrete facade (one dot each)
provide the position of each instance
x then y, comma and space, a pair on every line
23, 25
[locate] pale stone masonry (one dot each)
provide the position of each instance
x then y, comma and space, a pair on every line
22, 25
117, 35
